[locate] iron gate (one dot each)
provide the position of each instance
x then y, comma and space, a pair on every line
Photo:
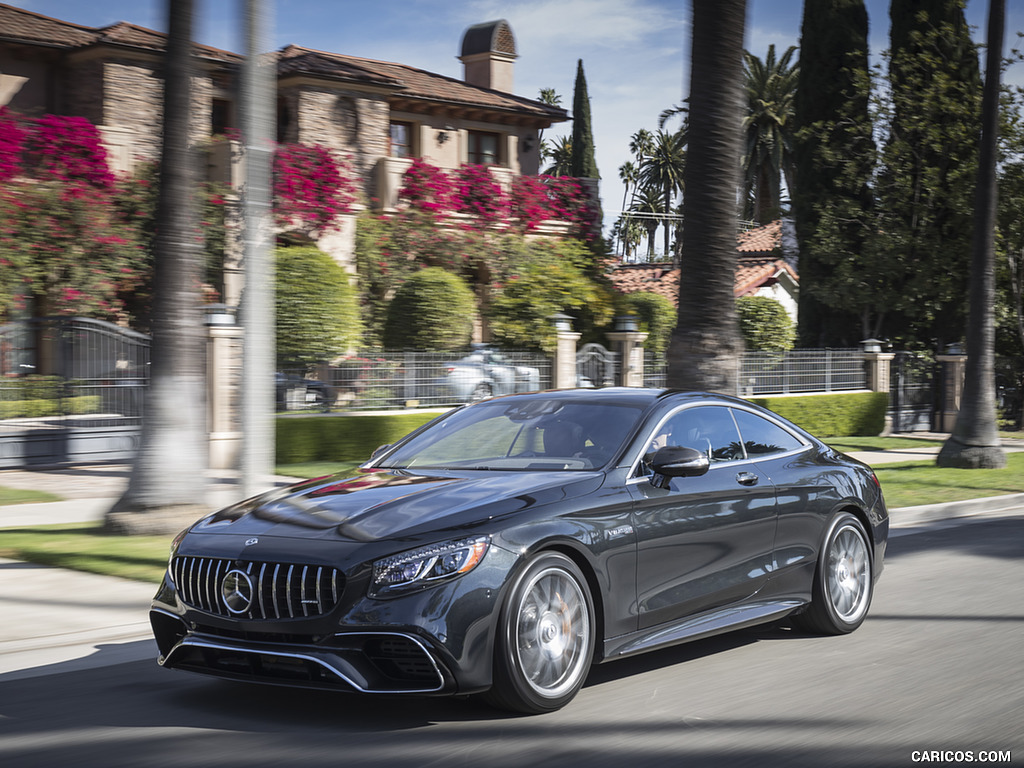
912, 392
596, 366
71, 390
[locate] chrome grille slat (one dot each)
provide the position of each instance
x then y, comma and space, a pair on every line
319, 599
273, 589
302, 593
288, 590
280, 589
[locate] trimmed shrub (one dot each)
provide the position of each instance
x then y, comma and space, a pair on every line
833, 415
36, 409
657, 317
541, 279
341, 438
317, 309
432, 310
764, 324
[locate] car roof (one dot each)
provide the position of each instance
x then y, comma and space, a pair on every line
637, 397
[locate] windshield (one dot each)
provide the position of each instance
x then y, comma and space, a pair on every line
532, 434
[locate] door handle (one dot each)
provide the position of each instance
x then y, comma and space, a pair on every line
747, 478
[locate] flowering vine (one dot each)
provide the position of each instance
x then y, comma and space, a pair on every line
68, 149
477, 194
311, 188
12, 136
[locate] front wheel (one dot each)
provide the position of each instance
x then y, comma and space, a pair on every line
843, 580
546, 638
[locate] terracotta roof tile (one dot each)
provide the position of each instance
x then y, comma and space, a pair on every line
766, 239
20, 25
294, 59
752, 271
417, 83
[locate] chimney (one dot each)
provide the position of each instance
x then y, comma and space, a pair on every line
488, 56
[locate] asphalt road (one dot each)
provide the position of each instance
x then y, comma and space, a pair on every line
937, 667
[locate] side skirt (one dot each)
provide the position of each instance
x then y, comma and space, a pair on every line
700, 626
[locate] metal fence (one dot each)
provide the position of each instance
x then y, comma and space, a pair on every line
389, 380
801, 370
769, 373
70, 389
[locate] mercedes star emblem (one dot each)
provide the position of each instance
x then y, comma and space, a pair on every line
237, 591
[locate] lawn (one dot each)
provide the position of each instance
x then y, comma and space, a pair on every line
19, 496
84, 547
910, 483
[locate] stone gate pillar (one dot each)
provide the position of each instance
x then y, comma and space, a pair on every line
563, 373
628, 344
953, 365
223, 385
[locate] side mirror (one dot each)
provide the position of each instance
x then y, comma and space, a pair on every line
676, 461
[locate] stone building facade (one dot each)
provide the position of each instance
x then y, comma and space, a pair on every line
378, 115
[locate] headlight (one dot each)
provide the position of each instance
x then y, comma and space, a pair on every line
422, 567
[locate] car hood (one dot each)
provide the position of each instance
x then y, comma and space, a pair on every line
383, 504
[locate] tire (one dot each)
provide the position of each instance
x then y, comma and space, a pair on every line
843, 580
480, 392
545, 641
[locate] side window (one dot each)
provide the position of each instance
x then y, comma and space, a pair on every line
763, 438
708, 429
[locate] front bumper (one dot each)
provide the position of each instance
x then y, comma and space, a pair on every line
435, 641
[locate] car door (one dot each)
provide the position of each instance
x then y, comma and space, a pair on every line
705, 541
791, 464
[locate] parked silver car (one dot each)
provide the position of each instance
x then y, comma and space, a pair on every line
486, 372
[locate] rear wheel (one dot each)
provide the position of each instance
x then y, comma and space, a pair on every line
843, 581
546, 638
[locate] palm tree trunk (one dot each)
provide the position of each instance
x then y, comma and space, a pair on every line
706, 344
163, 494
975, 439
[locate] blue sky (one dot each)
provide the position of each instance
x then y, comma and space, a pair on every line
635, 52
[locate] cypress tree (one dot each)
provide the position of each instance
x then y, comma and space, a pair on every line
930, 161
833, 156
583, 164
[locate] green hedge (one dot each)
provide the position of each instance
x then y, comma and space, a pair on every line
838, 415
341, 438
39, 408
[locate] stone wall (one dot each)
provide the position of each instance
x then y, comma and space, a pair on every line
352, 123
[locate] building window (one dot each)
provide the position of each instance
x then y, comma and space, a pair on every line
401, 140
284, 117
483, 148
221, 119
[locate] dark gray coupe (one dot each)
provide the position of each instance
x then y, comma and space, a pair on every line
508, 545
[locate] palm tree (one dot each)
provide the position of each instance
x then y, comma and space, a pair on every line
641, 144
768, 125
662, 170
162, 494
706, 343
649, 203
974, 443
673, 111
628, 175
561, 157
552, 99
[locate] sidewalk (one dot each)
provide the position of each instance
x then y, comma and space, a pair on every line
54, 616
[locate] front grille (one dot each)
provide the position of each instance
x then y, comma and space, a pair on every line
266, 591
